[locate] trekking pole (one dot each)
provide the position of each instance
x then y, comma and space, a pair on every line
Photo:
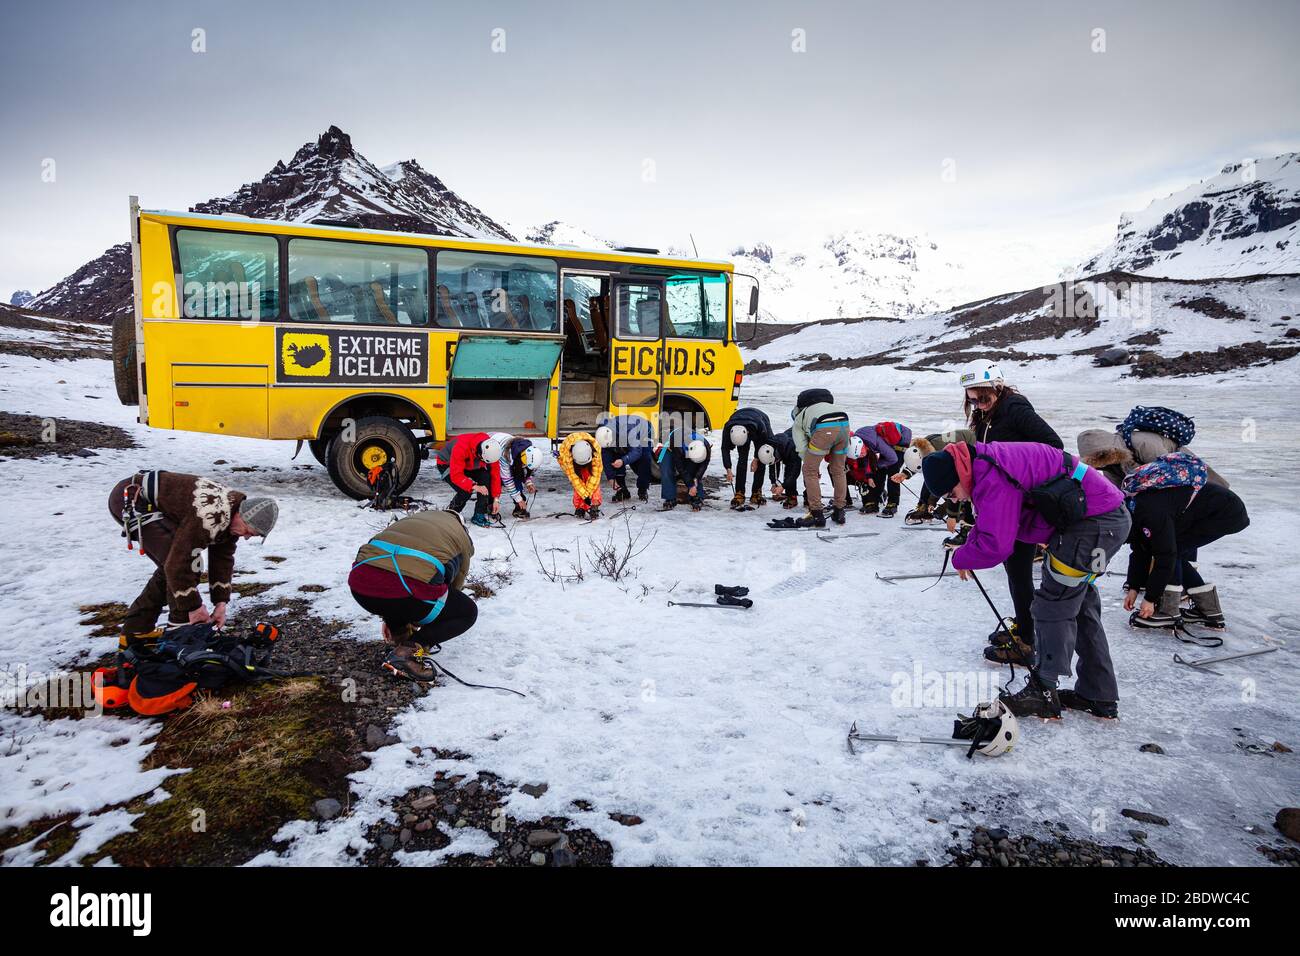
992, 606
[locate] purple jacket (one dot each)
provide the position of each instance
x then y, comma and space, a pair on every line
1002, 516
885, 451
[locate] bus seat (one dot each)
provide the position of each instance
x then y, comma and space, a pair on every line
576, 339
599, 306
525, 315
648, 313
381, 304
313, 296
447, 314
473, 311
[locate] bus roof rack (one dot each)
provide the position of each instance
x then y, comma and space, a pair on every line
639, 250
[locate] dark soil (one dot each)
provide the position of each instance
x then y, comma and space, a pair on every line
754, 366
75, 340
1209, 305
23, 436
1223, 359
995, 846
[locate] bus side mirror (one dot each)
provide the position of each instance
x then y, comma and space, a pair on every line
753, 301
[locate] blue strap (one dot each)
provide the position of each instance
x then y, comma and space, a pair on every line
1080, 470
392, 551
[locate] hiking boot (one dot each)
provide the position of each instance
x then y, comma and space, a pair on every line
1013, 651
918, 516
958, 539
1105, 709
668, 506
889, 511
999, 635
593, 514
1205, 610
580, 513
870, 507
520, 512
837, 515
622, 494
1167, 615
813, 519
737, 500
790, 501
757, 499
410, 665
643, 495
1035, 699
480, 520
697, 505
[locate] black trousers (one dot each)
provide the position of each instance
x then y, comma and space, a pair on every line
1207, 531
742, 469
458, 615
885, 487
640, 467
1020, 582
482, 503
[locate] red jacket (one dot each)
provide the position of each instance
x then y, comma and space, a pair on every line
464, 457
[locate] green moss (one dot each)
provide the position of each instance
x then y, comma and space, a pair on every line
106, 619
266, 760
57, 842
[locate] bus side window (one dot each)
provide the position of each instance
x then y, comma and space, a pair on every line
500, 292
358, 282
228, 275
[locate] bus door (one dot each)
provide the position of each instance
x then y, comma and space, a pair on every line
585, 320
637, 348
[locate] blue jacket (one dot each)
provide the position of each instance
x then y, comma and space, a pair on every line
886, 457
631, 432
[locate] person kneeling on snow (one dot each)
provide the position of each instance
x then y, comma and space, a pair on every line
686, 461
174, 517
625, 442
1176, 511
888, 440
747, 430
582, 466
861, 465
518, 464
471, 464
784, 464
1007, 482
412, 575
821, 432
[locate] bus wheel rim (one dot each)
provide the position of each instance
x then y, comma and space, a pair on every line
373, 456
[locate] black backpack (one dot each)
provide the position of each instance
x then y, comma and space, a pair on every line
1060, 500
813, 396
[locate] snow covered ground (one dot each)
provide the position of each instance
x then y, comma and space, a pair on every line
724, 730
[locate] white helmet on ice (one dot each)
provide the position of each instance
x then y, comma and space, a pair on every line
739, 435
994, 728
581, 452
981, 373
912, 460
605, 436
857, 447
490, 450
697, 451
766, 454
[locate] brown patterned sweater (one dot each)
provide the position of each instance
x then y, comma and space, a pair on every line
201, 509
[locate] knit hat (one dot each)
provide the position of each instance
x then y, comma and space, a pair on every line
940, 473
259, 514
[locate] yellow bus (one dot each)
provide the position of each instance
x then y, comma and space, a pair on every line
370, 345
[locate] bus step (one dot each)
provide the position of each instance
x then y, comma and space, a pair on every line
574, 417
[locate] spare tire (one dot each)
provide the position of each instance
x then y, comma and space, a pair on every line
124, 362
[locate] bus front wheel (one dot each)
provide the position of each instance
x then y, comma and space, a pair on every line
371, 443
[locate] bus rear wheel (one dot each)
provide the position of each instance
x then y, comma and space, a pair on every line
374, 443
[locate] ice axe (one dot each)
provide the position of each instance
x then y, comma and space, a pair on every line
1200, 665
727, 607
855, 734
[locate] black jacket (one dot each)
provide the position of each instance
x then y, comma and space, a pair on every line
688, 471
760, 431
788, 465
1014, 419
1165, 524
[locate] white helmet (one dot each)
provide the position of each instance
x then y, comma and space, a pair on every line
605, 436
766, 454
581, 452
912, 460
739, 435
490, 450
697, 451
981, 373
528, 457
857, 447
998, 728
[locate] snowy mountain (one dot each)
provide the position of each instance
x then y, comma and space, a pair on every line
21, 298
324, 181
1244, 221
556, 233
851, 274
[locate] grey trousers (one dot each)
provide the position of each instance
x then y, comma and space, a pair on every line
1067, 620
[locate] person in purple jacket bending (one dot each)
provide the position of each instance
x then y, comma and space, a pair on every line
997, 478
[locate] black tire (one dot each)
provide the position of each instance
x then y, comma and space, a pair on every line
349, 462
124, 371
319, 447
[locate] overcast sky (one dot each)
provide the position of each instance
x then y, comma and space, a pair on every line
750, 139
